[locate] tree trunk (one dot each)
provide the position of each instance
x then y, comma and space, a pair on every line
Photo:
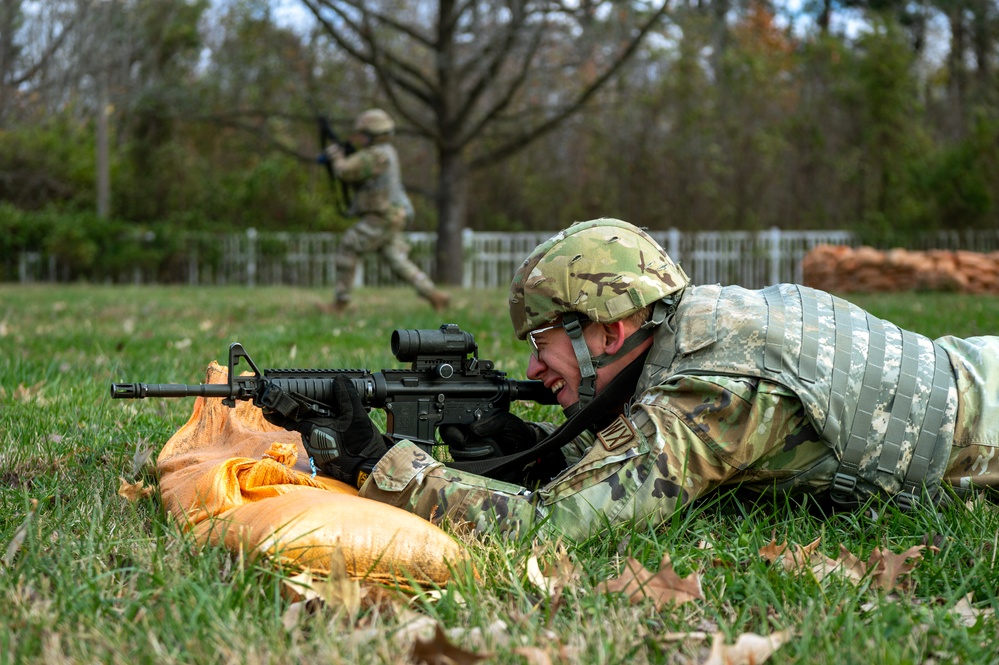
452, 209
103, 165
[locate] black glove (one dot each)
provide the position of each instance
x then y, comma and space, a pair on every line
347, 446
496, 435
540, 471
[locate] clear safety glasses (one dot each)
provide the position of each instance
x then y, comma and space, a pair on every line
534, 344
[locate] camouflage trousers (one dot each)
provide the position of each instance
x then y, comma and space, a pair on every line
973, 460
381, 234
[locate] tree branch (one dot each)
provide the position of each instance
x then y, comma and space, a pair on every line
520, 141
387, 64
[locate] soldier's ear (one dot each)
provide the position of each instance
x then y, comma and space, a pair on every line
614, 336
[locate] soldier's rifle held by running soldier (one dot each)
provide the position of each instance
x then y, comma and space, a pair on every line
329, 137
446, 384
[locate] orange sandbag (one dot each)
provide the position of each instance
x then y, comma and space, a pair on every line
236, 479
380, 543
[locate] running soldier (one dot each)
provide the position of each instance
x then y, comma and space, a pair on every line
384, 209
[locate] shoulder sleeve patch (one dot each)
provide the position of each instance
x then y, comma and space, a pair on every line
618, 434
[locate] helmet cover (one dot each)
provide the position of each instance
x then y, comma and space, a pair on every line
605, 269
374, 122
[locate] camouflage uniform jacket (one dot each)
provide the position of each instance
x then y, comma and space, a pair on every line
682, 436
374, 172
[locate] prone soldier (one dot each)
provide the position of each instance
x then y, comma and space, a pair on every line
687, 390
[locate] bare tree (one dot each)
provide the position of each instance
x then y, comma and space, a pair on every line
481, 80
29, 43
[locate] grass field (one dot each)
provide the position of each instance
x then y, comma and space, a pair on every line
88, 576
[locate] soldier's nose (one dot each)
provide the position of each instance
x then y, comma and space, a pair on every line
535, 366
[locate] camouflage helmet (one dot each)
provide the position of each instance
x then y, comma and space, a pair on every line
375, 122
603, 269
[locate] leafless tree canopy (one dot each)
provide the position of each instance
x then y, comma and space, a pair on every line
475, 78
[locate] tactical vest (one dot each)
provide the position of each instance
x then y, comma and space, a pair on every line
378, 193
884, 399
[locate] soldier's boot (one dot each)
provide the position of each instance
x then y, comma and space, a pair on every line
439, 300
336, 307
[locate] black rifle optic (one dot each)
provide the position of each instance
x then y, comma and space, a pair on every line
446, 384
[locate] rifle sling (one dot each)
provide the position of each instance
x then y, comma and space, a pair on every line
613, 395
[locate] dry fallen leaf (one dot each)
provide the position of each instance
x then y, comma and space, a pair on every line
440, 651
888, 567
556, 576
969, 615
19, 535
337, 590
749, 648
534, 655
979, 502
293, 615
133, 491
321, 594
477, 637
30, 394
549, 656
883, 567
661, 588
772, 552
143, 453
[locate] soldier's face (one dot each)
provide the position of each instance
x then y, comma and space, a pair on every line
554, 363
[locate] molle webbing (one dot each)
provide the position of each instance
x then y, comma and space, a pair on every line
774, 349
929, 433
901, 414
878, 395
809, 357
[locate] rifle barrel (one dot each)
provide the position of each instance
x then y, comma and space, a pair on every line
142, 390
532, 391
321, 389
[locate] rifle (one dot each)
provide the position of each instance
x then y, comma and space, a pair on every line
328, 136
446, 384
341, 190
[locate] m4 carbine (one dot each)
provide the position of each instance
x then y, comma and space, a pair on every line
446, 384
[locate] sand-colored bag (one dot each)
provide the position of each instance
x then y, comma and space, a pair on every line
236, 479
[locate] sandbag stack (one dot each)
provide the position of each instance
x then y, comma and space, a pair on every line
842, 269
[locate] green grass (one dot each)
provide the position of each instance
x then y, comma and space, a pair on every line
100, 579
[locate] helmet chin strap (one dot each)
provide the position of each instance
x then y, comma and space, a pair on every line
588, 365
572, 322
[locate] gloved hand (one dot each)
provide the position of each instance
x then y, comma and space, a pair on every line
540, 471
334, 151
499, 434
346, 446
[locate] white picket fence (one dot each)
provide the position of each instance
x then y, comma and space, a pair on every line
749, 258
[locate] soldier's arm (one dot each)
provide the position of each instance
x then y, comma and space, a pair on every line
360, 166
679, 443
